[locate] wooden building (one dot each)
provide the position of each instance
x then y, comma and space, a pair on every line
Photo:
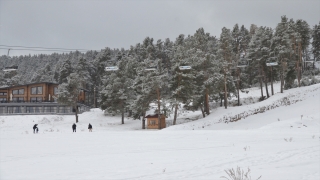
153, 123
36, 98
35, 92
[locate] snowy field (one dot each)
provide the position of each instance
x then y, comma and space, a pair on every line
278, 139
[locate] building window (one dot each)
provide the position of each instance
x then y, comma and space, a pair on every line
18, 91
3, 100
36, 99
3, 93
17, 99
36, 90
153, 122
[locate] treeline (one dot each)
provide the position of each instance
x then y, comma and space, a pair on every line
214, 73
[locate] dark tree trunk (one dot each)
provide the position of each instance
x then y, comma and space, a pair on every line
281, 77
203, 114
207, 110
266, 84
122, 117
225, 93
238, 87
76, 113
144, 121
122, 112
260, 80
175, 115
271, 82
159, 119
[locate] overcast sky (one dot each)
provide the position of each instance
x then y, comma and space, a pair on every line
96, 24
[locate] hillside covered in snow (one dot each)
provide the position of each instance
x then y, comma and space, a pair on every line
278, 138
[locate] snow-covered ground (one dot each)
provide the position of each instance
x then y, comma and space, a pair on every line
278, 139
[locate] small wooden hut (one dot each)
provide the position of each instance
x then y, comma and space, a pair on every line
152, 121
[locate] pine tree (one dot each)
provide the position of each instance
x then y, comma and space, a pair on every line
304, 31
68, 92
82, 69
65, 71
117, 91
316, 42
225, 58
259, 53
281, 48
181, 84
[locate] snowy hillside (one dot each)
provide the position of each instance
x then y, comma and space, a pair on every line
278, 139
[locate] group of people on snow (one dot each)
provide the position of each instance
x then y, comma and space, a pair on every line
74, 128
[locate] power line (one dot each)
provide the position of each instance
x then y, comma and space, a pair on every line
29, 48
44, 50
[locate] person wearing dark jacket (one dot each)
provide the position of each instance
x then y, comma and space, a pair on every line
90, 127
35, 128
74, 126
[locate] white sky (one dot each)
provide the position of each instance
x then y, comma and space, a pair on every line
96, 24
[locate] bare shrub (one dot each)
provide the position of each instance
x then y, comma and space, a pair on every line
238, 174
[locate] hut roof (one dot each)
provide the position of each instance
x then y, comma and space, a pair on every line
152, 115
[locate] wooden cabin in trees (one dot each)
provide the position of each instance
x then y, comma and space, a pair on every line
153, 123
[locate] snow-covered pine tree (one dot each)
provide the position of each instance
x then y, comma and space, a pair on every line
65, 71
316, 42
43, 75
181, 84
304, 31
294, 62
82, 68
245, 39
117, 87
68, 92
281, 48
258, 53
225, 59
201, 48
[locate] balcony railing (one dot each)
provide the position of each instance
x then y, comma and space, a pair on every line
53, 102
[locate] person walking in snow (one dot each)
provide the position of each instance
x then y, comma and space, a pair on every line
34, 128
90, 127
74, 127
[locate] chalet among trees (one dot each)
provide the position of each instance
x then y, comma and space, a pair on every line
35, 98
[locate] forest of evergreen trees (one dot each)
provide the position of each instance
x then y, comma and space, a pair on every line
214, 73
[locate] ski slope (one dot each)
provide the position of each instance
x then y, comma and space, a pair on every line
281, 143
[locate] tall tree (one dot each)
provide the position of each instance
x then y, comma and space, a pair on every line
316, 41
281, 48
225, 58
68, 92
117, 90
